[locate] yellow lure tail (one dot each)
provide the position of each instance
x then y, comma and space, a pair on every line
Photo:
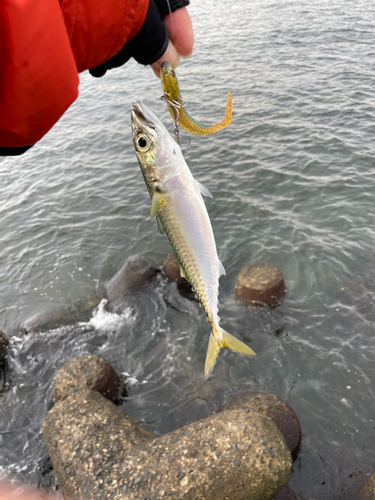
188, 123
176, 105
216, 343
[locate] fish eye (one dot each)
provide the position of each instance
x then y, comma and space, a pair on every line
143, 143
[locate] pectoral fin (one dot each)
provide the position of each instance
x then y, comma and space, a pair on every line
203, 190
157, 203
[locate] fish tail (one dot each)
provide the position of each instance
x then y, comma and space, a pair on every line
213, 350
220, 338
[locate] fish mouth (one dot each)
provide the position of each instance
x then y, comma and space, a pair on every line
138, 116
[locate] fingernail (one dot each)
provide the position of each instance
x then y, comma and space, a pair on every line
189, 55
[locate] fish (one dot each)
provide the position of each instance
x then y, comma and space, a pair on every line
178, 206
176, 105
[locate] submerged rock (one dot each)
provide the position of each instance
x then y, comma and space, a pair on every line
367, 492
99, 452
260, 283
286, 494
134, 274
171, 268
91, 371
4, 343
281, 413
72, 313
360, 485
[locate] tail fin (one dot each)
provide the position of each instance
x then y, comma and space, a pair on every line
220, 338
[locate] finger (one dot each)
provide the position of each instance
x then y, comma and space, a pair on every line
180, 31
171, 55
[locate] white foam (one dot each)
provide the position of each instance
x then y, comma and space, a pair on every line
130, 379
104, 320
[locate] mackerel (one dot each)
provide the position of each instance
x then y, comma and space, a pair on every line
178, 206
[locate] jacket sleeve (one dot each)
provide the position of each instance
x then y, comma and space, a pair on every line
38, 73
44, 44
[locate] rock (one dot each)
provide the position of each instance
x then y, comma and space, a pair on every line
91, 371
171, 269
281, 413
4, 344
367, 492
78, 311
286, 494
136, 272
99, 452
359, 486
261, 283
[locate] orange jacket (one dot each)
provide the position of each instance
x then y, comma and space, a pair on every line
44, 44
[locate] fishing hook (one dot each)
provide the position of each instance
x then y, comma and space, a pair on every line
176, 106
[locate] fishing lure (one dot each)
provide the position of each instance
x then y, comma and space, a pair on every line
176, 106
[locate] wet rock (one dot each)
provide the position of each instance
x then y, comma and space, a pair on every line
367, 492
91, 371
4, 343
286, 494
260, 283
99, 452
78, 311
278, 410
136, 272
171, 269
354, 485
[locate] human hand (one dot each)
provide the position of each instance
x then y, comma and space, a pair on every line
181, 39
17, 491
152, 39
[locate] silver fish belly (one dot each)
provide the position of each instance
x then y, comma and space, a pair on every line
177, 203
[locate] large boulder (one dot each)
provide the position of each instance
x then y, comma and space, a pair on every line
91, 371
278, 410
99, 452
134, 274
71, 313
260, 283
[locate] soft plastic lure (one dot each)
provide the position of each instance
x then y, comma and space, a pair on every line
176, 106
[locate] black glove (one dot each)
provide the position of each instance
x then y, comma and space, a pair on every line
14, 151
165, 7
150, 43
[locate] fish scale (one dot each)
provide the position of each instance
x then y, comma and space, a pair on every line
186, 258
